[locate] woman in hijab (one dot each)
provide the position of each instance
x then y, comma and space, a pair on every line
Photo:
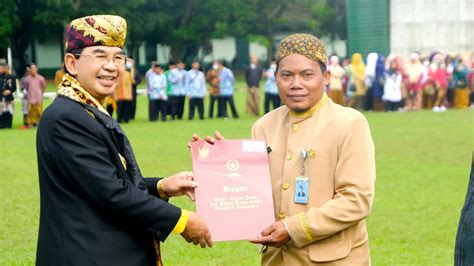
357, 89
461, 92
377, 85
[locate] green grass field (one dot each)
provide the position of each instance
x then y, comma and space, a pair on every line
423, 163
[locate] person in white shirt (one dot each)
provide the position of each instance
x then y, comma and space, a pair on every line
392, 95
271, 89
177, 77
157, 94
196, 90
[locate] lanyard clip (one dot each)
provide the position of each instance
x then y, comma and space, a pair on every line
304, 154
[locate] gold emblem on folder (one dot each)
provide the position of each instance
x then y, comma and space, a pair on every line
203, 152
233, 165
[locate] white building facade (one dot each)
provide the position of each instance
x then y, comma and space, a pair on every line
431, 25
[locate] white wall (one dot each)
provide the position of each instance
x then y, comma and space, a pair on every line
258, 50
163, 52
141, 55
429, 25
221, 49
338, 47
48, 54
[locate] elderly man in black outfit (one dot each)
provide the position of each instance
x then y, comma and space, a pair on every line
96, 207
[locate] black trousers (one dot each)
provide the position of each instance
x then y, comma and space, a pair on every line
213, 101
2, 120
464, 248
6, 120
155, 107
177, 106
392, 106
223, 101
196, 103
123, 111
181, 102
110, 109
133, 107
273, 99
173, 103
368, 104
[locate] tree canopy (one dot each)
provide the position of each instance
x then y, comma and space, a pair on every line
184, 25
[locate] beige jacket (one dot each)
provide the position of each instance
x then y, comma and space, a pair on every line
330, 229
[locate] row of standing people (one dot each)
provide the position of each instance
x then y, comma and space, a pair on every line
436, 82
168, 89
124, 98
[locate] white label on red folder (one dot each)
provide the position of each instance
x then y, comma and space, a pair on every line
253, 146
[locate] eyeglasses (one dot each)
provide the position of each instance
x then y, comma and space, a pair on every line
102, 59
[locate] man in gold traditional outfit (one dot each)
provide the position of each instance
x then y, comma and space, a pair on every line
322, 166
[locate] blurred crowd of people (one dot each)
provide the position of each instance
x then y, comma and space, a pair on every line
437, 81
168, 89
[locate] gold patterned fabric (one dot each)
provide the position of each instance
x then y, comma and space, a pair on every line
306, 225
103, 30
320, 104
303, 44
71, 88
34, 113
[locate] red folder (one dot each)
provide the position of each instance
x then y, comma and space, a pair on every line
234, 193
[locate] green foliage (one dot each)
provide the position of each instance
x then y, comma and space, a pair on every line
320, 13
52, 16
238, 18
8, 21
184, 25
190, 25
334, 19
423, 162
260, 39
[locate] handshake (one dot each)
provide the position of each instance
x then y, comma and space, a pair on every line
196, 230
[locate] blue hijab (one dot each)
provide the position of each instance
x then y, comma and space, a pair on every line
377, 86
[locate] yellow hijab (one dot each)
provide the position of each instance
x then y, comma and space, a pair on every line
358, 66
